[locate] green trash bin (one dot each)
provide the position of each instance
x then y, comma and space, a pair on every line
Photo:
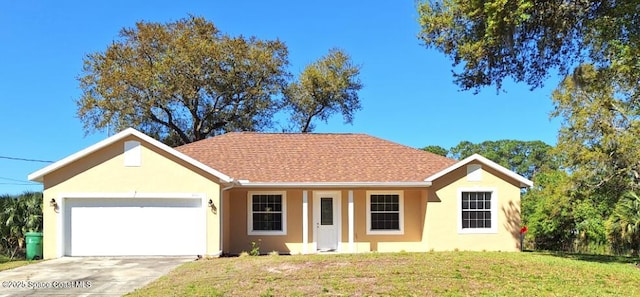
34, 245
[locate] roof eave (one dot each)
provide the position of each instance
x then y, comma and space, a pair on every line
248, 184
524, 183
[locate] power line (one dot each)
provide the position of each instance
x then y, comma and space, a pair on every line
14, 180
17, 182
26, 160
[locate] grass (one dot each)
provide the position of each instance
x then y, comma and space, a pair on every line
7, 263
403, 274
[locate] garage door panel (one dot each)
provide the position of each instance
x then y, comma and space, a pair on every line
114, 227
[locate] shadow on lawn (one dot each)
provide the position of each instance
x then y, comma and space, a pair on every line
597, 258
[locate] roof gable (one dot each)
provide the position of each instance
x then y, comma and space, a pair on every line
314, 158
38, 175
475, 157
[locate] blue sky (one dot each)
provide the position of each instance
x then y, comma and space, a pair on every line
408, 95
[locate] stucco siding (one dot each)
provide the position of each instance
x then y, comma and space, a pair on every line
443, 207
104, 172
237, 238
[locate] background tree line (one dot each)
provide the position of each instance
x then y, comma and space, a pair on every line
586, 197
559, 214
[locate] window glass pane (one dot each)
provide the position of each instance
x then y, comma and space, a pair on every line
476, 210
385, 212
267, 221
395, 206
385, 221
276, 203
326, 211
267, 212
267, 203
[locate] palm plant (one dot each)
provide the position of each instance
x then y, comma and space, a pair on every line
22, 214
624, 222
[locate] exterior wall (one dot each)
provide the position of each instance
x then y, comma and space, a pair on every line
236, 238
410, 241
104, 172
441, 225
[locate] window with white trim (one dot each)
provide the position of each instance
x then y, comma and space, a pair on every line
477, 211
266, 213
385, 213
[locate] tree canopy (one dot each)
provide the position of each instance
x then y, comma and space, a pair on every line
523, 157
325, 87
185, 81
595, 46
600, 134
525, 40
436, 149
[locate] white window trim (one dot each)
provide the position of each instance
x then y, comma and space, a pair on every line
494, 211
400, 210
250, 230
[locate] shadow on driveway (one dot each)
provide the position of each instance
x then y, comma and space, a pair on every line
86, 276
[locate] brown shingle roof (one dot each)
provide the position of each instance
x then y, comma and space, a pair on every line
270, 157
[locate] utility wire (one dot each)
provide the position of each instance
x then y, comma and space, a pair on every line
26, 160
15, 180
20, 184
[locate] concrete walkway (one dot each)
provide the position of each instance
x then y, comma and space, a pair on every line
86, 276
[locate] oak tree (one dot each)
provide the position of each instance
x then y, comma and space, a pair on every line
525, 40
325, 87
182, 81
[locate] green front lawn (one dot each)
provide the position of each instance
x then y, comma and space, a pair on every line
403, 274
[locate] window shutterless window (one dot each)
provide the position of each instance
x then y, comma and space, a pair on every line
477, 211
266, 213
385, 213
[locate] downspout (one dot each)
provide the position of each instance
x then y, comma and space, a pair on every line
221, 212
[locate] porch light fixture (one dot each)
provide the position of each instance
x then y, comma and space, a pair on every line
214, 209
53, 203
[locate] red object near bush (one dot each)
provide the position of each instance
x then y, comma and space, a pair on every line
524, 230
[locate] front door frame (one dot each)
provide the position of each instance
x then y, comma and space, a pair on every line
337, 216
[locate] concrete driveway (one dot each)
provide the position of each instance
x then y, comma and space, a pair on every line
86, 276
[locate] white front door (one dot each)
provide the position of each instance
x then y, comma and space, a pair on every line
326, 219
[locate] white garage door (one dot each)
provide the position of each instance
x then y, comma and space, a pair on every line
132, 227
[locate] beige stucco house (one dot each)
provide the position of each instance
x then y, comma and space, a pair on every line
292, 193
